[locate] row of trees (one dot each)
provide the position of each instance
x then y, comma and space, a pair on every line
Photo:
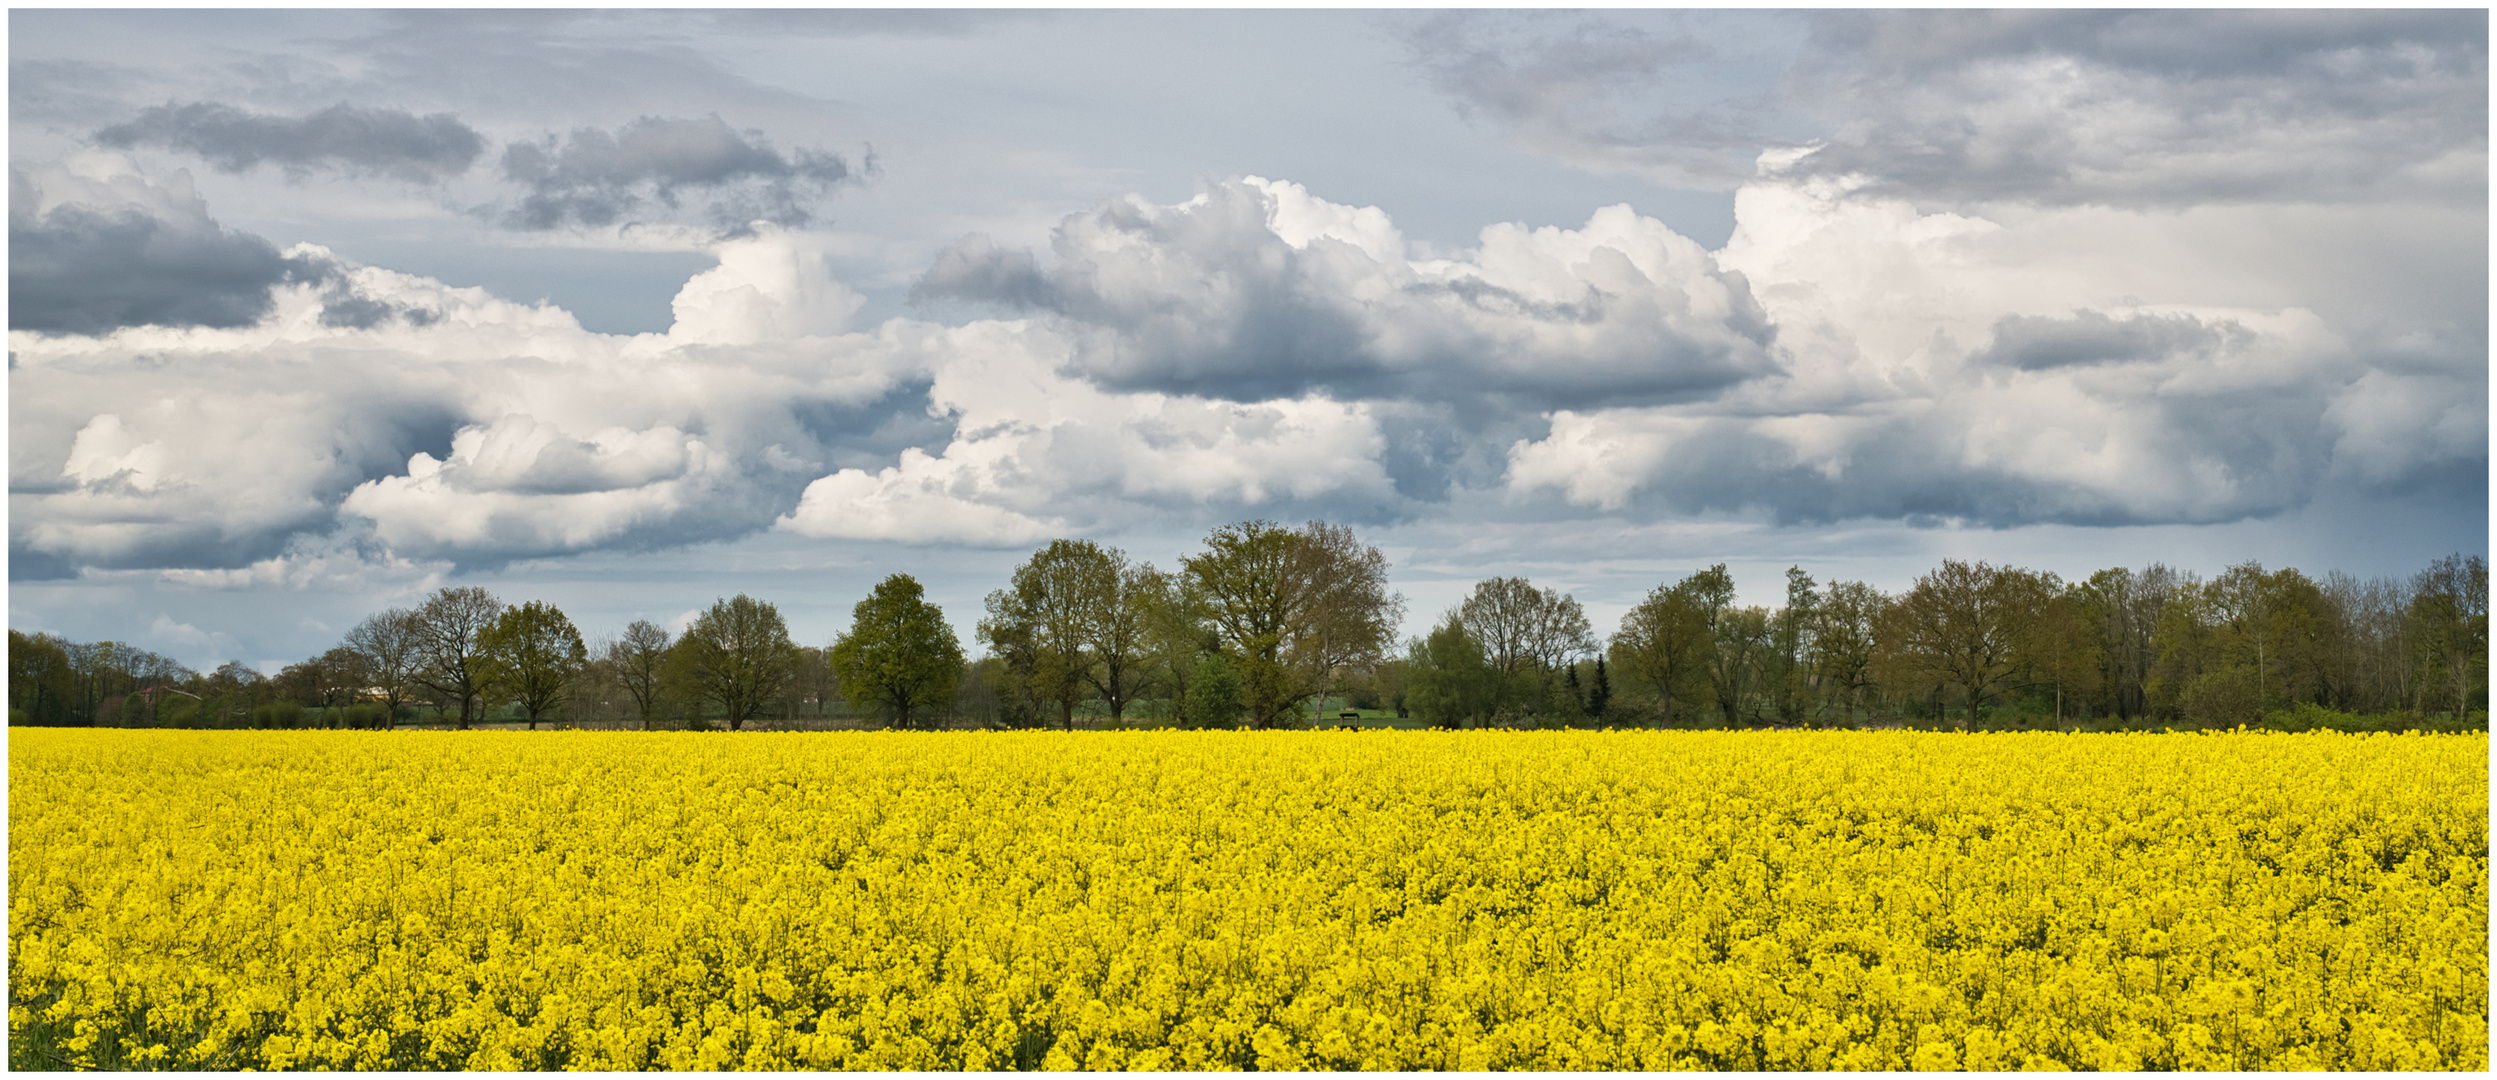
1268, 623
2151, 646
1254, 628
464, 654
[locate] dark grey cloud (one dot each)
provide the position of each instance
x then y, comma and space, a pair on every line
861, 22
871, 434
2358, 45
1207, 298
596, 177
1492, 64
975, 268
2091, 337
391, 142
1205, 301
2137, 108
26, 564
345, 308
81, 269
2152, 107
76, 269
2271, 447
1436, 449
67, 92
1605, 93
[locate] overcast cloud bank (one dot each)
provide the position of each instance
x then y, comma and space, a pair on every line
1987, 270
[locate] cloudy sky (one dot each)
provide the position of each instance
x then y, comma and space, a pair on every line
313, 312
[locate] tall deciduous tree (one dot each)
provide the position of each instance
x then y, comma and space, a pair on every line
1961, 626
1791, 676
1293, 608
327, 681
1525, 632
39, 678
899, 654
1213, 695
1665, 641
2125, 606
1122, 632
2449, 610
1742, 662
1712, 592
638, 658
1178, 633
392, 646
2061, 645
1842, 640
532, 654
447, 628
738, 654
1045, 622
1449, 679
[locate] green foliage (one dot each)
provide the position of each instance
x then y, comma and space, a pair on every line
278, 714
1448, 680
1297, 615
446, 631
2221, 698
737, 655
899, 654
1213, 699
637, 661
2308, 716
1667, 643
1961, 626
40, 687
1292, 608
530, 655
1068, 625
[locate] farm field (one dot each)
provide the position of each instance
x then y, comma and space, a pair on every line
1208, 900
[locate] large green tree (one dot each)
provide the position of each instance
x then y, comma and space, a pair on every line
1213, 695
1044, 622
2449, 619
1448, 678
1666, 642
532, 655
1074, 624
2124, 607
447, 627
1843, 623
1964, 624
1122, 632
39, 679
738, 654
1792, 677
1178, 632
899, 654
1293, 608
1729, 650
1525, 634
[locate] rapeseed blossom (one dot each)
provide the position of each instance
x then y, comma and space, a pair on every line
1210, 900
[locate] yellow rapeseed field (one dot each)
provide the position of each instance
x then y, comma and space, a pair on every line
1336, 900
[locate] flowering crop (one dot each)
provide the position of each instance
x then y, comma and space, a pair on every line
1461, 900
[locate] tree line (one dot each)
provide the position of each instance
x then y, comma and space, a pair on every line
1270, 626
